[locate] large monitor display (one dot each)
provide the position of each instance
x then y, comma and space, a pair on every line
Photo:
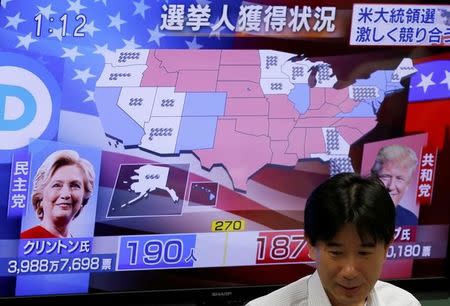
160, 147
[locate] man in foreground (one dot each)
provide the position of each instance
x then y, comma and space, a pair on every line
349, 225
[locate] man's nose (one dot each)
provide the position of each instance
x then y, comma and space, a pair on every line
349, 270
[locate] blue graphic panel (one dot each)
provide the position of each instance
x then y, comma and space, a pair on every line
378, 78
363, 109
156, 252
196, 133
55, 246
110, 25
431, 81
28, 96
52, 284
9, 227
53, 265
114, 120
18, 188
29, 104
204, 104
300, 97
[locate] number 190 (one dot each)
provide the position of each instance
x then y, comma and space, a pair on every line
155, 251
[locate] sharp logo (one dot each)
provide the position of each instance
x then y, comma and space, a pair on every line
30, 101
222, 293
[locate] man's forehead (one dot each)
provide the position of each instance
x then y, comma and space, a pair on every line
369, 242
350, 234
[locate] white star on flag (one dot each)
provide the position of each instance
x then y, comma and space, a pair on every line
75, 6
4, 2
46, 11
83, 75
447, 79
193, 44
56, 33
105, 52
216, 33
25, 41
71, 53
90, 28
155, 35
116, 21
14, 21
426, 81
131, 44
90, 97
140, 8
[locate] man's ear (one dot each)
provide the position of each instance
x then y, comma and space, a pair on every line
312, 253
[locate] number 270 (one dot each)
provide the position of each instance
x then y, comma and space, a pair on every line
227, 225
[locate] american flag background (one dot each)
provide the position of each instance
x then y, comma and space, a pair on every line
77, 62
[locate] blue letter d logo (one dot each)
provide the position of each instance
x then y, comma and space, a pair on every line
17, 108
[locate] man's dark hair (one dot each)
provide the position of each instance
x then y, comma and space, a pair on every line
350, 198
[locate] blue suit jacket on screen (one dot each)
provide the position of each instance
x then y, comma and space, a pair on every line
404, 216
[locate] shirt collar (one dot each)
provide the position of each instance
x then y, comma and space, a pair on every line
318, 297
372, 299
316, 293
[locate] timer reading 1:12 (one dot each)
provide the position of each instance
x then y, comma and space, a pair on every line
77, 32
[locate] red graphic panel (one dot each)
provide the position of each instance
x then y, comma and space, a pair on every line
281, 247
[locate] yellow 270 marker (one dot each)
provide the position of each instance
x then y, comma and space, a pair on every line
227, 225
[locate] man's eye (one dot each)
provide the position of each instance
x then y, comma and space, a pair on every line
364, 253
335, 253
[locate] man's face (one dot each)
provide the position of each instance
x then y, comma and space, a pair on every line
348, 267
396, 177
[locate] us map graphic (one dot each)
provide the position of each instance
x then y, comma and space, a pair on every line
240, 109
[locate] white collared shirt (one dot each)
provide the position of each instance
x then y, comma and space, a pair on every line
308, 291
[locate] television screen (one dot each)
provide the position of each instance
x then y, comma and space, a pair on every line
167, 147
